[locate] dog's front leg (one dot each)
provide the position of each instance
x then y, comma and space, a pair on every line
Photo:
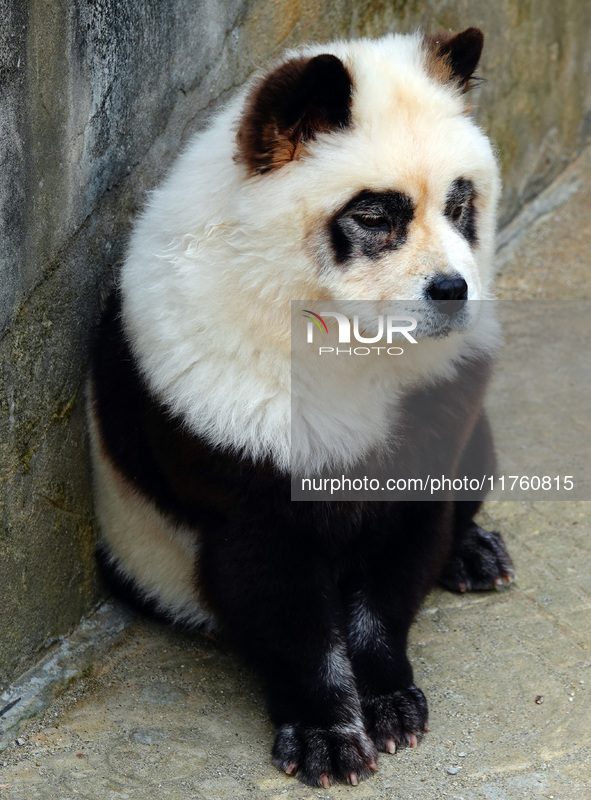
275, 595
392, 569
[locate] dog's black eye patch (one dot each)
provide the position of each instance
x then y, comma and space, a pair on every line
370, 224
460, 209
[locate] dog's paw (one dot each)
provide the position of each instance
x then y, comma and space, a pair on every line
396, 720
318, 756
482, 562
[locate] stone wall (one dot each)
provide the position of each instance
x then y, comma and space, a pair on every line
96, 96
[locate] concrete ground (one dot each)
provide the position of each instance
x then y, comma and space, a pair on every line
163, 715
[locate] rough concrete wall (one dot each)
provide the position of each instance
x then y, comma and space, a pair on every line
96, 96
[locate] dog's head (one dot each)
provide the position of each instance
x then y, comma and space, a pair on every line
364, 153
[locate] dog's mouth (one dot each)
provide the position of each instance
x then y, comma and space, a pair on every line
437, 323
399, 321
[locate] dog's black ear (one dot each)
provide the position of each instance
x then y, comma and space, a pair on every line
289, 107
455, 56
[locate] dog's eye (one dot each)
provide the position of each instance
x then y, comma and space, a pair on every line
457, 212
373, 223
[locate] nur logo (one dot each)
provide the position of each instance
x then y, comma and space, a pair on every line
317, 319
389, 324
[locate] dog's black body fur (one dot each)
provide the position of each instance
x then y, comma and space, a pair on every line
291, 582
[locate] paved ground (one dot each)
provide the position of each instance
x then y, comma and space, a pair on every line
167, 716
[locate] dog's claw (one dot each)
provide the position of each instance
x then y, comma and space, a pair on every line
480, 562
325, 780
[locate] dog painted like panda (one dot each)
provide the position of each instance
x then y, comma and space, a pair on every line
350, 170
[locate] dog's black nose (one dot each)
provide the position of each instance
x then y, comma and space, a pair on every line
449, 292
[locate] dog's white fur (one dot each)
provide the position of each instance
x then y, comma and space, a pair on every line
218, 255
158, 553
